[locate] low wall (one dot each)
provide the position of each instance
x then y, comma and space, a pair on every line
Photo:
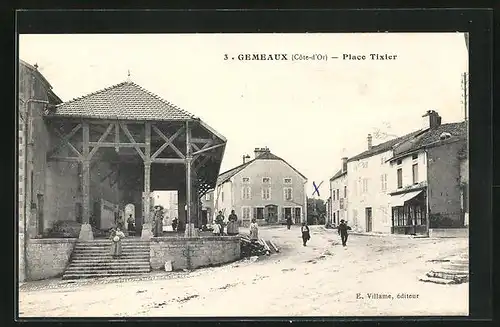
193, 252
448, 232
46, 258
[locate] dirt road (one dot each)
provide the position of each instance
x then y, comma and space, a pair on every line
373, 276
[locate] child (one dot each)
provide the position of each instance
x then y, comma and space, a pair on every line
216, 229
254, 230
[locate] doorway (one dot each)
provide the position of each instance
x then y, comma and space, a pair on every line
288, 213
368, 215
204, 217
39, 214
298, 215
272, 213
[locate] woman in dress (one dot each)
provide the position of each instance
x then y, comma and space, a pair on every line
232, 225
254, 231
116, 242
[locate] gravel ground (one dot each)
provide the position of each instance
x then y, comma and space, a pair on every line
322, 279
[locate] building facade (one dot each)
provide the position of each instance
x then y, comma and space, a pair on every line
266, 188
408, 184
337, 201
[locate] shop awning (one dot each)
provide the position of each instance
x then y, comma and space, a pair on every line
400, 199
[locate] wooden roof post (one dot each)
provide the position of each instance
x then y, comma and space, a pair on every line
189, 199
146, 195
86, 229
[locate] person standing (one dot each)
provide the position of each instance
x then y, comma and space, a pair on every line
116, 242
175, 222
216, 230
288, 221
232, 225
306, 235
254, 231
220, 220
342, 229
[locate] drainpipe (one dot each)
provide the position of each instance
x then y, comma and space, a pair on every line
427, 220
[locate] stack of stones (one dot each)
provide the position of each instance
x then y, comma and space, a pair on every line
452, 271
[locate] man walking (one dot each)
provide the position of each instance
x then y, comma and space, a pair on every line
343, 228
306, 236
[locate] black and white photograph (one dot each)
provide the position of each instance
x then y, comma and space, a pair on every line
243, 174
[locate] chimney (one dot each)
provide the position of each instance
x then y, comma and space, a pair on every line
344, 164
369, 139
260, 151
433, 120
245, 157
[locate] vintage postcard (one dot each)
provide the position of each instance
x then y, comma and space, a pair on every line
243, 175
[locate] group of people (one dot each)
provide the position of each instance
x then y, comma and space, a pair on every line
232, 226
342, 229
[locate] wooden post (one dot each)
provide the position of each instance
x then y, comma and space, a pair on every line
86, 229
189, 199
146, 195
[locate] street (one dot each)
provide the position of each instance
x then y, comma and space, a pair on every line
373, 276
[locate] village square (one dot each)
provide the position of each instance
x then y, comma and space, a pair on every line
132, 205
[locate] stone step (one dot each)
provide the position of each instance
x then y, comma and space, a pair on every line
103, 275
73, 269
105, 263
436, 280
108, 255
108, 250
448, 276
455, 269
109, 259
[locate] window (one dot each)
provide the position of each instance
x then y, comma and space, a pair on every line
408, 216
266, 193
245, 180
246, 193
415, 173
341, 205
334, 218
333, 195
287, 181
345, 191
266, 180
222, 196
399, 162
414, 156
245, 213
400, 177
207, 197
338, 197
258, 213
382, 160
288, 193
383, 182
365, 185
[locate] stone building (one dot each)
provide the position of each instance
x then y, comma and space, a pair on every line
337, 205
82, 161
266, 188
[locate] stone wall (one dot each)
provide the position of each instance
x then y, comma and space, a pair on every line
47, 258
194, 252
449, 232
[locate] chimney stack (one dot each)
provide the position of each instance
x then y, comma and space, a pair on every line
433, 121
344, 164
260, 151
245, 157
369, 139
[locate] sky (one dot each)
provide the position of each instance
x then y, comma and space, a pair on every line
310, 113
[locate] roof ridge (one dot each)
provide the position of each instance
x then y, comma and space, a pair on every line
92, 93
161, 99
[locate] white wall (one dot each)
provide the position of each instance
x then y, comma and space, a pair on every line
338, 184
406, 166
223, 203
368, 171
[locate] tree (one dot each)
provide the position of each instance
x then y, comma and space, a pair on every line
316, 211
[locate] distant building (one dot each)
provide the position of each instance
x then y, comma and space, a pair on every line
207, 208
337, 206
394, 186
266, 188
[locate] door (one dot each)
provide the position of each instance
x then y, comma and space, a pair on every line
297, 215
368, 215
272, 213
288, 213
204, 217
39, 214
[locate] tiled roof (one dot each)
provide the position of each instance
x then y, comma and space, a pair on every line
432, 136
225, 176
127, 101
338, 174
382, 147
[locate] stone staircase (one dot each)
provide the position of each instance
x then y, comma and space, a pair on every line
92, 259
455, 270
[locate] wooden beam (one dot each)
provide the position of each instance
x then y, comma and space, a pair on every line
195, 147
65, 138
99, 142
117, 137
189, 200
117, 145
168, 142
86, 176
131, 138
168, 160
68, 143
209, 148
201, 140
201, 163
56, 158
